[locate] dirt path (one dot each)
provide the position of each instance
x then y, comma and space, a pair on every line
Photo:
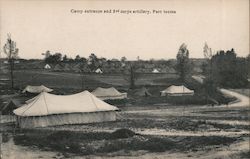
242, 99
164, 132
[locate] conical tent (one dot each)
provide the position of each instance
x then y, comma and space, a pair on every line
108, 93
142, 92
49, 109
177, 91
36, 89
98, 71
8, 108
155, 71
47, 66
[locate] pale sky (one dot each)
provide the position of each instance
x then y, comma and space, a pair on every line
37, 26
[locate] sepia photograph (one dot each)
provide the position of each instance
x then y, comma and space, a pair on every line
135, 79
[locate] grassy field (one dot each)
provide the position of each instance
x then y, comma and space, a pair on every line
74, 81
146, 126
68, 83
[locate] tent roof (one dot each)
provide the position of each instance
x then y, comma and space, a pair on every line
37, 89
99, 92
10, 106
155, 71
48, 104
98, 70
47, 66
177, 89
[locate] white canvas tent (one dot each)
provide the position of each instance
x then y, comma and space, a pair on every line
155, 71
36, 89
108, 93
49, 110
47, 66
98, 71
177, 91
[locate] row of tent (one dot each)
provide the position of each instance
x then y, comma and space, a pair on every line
67, 67
77, 68
112, 93
48, 109
102, 93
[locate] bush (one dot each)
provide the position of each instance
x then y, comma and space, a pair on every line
158, 144
122, 133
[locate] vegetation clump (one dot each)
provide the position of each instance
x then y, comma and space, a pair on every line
83, 143
122, 133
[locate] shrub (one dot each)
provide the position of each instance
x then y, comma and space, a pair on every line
122, 133
158, 144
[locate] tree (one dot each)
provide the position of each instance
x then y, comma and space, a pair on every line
183, 64
11, 51
228, 70
83, 60
54, 58
132, 75
207, 51
208, 83
57, 57
123, 59
65, 58
46, 54
93, 62
77, 58
248, 65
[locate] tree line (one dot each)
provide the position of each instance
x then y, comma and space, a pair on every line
222, 69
